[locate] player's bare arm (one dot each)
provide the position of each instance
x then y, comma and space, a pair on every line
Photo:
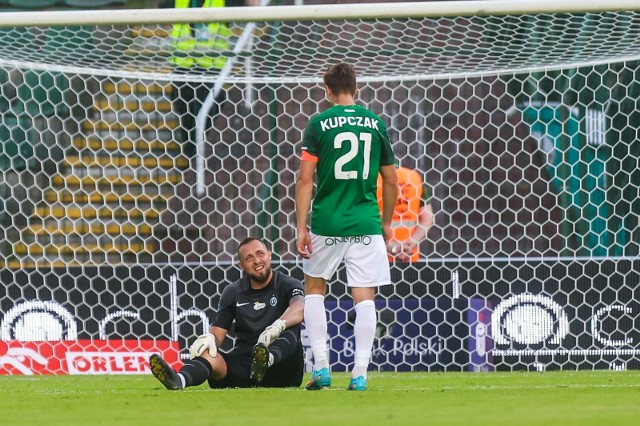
219, 333
425, 220
304, 192
389, 198
292, 316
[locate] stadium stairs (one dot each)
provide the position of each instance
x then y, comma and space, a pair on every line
106, 201
113, 184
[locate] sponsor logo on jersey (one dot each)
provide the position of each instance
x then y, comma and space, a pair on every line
238, 304
332, 241
334, 122
258, 305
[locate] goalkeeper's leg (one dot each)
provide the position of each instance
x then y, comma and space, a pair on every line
264, 357
164, 373
260, 358
287, 372
193, 373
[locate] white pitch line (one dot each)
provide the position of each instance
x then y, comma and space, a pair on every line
511, 387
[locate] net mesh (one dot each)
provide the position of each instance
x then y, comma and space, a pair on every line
379, 49
524, 128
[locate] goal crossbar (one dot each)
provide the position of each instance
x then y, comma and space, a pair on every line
314, 12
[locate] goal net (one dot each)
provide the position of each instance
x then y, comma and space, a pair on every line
122, 203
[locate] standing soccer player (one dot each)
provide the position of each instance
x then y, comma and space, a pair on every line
348, 146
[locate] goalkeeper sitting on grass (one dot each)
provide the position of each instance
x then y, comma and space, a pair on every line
268, 309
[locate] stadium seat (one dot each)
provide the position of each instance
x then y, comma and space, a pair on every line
10, 38
42, 4
93, 3
70, 41
33, 4
42, 93
16, 145
5, 103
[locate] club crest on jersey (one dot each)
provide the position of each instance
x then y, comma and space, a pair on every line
258, 305
273, 301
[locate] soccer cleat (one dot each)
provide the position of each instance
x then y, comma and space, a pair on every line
319, 380
165, 374
358, 384
259, 362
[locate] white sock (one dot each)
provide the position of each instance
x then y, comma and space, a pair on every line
364, 331
182, 380
315, 322
271, 359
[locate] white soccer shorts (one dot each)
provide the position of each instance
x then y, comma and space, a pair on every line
365, 259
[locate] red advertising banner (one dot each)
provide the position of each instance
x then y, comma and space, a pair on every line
85, 356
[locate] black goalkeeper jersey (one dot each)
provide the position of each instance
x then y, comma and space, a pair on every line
254, 310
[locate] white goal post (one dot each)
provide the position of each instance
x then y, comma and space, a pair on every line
122, 203
432, 9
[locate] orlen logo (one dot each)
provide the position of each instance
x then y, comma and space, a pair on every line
529, 319
21, 359
107, 362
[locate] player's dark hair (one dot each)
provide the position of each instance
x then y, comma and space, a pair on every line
248, 240
341, 78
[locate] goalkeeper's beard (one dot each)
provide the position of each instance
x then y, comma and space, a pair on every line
262, 276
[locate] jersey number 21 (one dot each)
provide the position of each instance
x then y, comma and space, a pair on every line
352, 139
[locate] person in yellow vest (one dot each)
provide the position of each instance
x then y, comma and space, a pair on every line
199, 45
198, 49
412, 216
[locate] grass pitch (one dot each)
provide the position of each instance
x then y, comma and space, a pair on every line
551, 398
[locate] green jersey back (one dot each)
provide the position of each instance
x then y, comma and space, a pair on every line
351, 144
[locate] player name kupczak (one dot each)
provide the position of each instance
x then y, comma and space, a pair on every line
333, 122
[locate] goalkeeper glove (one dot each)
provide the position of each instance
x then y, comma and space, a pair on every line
202, 343
271, 333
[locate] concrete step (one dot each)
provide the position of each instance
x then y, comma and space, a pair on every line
77, 239
163, 162
131, 134
92, 182
120, 126
125, 145
35, 249
125, 88
95, 227
150, 31
62, 211
102, 198
116, 104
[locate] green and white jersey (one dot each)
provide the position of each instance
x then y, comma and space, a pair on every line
351, 143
